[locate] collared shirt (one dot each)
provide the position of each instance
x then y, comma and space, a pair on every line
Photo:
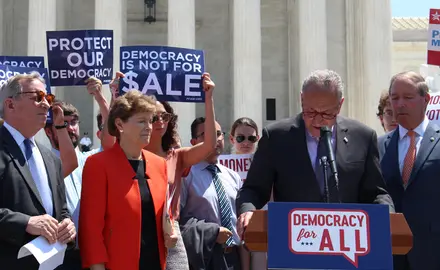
73, 183
312, 145
38, 158
199, 197
404, 140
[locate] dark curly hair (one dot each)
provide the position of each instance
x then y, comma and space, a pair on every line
171, 138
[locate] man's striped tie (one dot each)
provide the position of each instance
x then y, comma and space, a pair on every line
225, 206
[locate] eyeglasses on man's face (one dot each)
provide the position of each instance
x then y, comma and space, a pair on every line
40, 95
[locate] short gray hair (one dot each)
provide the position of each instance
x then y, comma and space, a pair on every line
414, 77
12, 87
326, 80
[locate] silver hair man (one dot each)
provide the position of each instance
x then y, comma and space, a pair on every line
12, 87
325, 79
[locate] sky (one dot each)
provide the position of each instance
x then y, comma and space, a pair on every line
413, 8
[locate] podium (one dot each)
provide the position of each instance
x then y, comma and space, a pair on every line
256, 234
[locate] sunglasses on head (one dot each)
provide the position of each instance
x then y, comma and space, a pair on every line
166, 117
40, 96
242, 138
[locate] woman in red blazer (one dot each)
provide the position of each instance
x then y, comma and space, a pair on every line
124, 194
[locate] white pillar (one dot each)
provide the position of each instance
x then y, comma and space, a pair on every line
110, 15
369, 41
247, 76
307, 37
42, 18
181, 33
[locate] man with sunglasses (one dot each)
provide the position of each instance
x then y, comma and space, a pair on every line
288, 152
33, 201
208, 218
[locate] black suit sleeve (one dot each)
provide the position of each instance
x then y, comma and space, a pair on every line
13, 226
257, 188
373, 185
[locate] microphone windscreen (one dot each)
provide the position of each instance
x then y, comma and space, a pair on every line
324, 130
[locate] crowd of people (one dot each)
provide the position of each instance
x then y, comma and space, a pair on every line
142, 201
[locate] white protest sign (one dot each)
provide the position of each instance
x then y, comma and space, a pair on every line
238, 163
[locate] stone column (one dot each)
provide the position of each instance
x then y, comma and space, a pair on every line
307, 37
110, 15
1, 27
181, 33
42, 18
247, 76
369, 41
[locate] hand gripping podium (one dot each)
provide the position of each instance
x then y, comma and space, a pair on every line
328, 236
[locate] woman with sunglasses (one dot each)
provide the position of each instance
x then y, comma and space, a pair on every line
244, 136
165, 143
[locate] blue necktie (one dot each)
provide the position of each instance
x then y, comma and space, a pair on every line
41, 183
225, 206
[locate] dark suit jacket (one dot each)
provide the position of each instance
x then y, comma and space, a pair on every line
282, 161
420, 196
19, 199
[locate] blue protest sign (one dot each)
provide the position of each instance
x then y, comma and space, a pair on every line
171, 74
76, 55
7, 72
329, 236
23, 61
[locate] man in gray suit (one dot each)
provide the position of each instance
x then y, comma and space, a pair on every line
33, 199
287, 155
410, 160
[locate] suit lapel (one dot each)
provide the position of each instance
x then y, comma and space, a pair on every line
390, 160
301, 149
429, 140
342, 143
18, 158
51, 174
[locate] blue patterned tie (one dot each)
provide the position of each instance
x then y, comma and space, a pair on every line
225, 206
320, 151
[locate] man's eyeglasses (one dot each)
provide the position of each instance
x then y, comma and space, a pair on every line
326, 116
72, 123
40, 96
166, 117
242, 138
220, 135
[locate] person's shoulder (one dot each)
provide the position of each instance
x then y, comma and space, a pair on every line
386, 136
354, 126
154, 159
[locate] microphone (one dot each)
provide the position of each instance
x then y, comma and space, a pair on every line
326, 137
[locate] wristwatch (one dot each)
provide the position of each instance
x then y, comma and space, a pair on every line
62, 126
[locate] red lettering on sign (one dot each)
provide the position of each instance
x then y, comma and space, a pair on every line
342, 241
326, 241
305, 234
357, 237
433, 114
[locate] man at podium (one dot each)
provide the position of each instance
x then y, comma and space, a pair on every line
287, 155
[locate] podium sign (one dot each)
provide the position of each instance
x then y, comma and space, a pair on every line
329, 236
